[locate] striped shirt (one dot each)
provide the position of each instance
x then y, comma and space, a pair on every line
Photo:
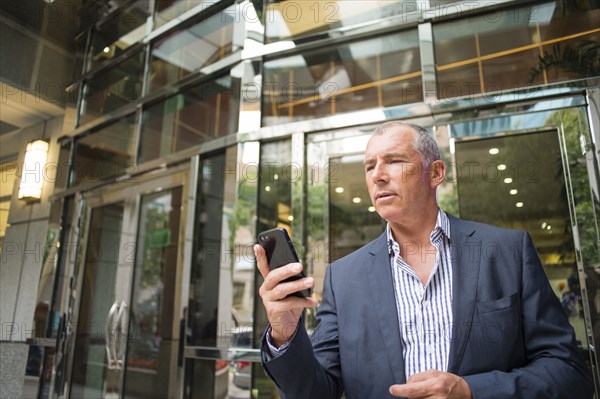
424, 311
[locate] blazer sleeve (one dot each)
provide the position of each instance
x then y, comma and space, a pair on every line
310, 367
555, 368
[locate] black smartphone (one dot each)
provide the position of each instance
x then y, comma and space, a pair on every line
280, 251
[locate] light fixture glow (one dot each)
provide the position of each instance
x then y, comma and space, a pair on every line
276, 176
548, 227
508, 180
339, 190
371, 209
268, 188
519, 205
356, 200
514, 191
501, 167
544, 225
494, 151
106, 50
32, 177
290, 218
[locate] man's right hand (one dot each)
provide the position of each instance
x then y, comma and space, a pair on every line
283, 312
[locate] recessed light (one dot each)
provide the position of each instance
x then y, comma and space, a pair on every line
508, 180
544, 225
106, 49
276, 176
371, 209
494, 151
356, 200
514, 191
339, 190
502, 167
519, 205
290, 218
268, 188
548, 227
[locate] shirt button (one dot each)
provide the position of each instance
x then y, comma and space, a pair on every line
425, 303
429, 349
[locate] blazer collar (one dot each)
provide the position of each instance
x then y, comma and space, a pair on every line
383, 300
465, 250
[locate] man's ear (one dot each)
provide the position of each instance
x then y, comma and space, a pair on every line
437, 173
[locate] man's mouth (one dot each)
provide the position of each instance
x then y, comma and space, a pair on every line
383, 195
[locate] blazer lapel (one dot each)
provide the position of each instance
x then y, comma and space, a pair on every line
466, 255
379, 277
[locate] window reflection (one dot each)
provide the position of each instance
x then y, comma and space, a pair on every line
189, 49
106, 153
293, 19
167, 10
372, 73
198, 114
125, 28
515, 48
120, 85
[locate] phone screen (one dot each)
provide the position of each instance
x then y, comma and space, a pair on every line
280, 251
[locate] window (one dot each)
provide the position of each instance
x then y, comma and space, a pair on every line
110, 90
514, 48
201, 113
379, 72
189, 49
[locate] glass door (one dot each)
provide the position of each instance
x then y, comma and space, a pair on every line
127, 335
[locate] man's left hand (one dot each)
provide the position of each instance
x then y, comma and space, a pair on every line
433, 384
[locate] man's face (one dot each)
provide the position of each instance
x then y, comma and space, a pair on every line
399, 185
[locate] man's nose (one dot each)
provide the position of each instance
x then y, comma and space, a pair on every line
379, 173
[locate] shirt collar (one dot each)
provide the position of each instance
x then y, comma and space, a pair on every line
442, 226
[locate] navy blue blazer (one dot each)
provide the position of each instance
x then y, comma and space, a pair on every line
511, 338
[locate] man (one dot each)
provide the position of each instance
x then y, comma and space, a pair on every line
436, 307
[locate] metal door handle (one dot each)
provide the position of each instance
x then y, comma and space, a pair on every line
108, 333
119, 328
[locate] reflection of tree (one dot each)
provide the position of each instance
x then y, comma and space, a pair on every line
582, 59
448, 196
156, 233
582, 198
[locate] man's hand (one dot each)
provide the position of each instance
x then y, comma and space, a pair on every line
433, 384
283, 313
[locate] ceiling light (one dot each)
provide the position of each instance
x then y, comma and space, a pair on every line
501, 167
339, 190
548, 227
276, 176
106, 49
356, 200
268, 188
290, 218
371, 209
508, 180
519, 205
514, 191
34, 170
544, 225
494, 151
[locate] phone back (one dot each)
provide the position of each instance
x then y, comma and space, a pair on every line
278, 247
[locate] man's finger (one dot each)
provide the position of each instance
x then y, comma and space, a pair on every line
282, 290
276, 276
261, 260
411, 390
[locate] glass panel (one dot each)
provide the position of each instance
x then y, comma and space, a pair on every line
189, 49
153, 339
291, 19
212, 379
167, 10
511, 183
202, 113
8, 171
378, 72
204, 283
353, 221
92, 377
120, 85
127, 27
105, 154
539, 44
274, 210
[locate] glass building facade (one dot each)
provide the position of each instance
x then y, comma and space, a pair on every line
198, 124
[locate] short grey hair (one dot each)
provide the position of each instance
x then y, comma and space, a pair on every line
424, 142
